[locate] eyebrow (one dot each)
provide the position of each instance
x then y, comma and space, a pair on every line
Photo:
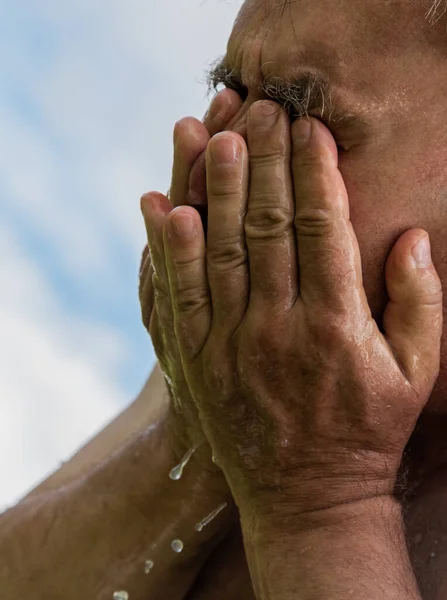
307, 93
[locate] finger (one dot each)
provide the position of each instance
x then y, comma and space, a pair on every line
190, 140
269, 231
413, 317
155, 207
223, 108
227, 184
184, 243
328, 252
145, 289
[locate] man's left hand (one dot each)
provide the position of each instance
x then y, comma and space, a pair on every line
306, 404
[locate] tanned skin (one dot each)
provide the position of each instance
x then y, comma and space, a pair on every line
394, 181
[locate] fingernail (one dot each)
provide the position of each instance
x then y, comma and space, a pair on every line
183, 224
225, 151
302, 132
264, 115
422, 253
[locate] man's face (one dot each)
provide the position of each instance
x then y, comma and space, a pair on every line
387, 66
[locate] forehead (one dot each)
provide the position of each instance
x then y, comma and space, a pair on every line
358, 43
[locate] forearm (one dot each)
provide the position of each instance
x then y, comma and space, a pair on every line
357, 551
148, 408
94, 535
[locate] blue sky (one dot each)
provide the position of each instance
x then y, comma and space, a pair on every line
90, 91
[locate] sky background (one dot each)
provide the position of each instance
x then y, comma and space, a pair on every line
89, 94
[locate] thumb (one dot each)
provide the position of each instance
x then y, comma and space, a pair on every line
413, 317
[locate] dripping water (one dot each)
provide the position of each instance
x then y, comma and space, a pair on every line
177, 471
207, 520
148, 566
177, 546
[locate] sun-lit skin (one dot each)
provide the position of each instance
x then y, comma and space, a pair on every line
387, 64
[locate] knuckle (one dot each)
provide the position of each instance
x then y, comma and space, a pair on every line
191, 299
227, 253
310, 162
224, 186
431, 299
267, 219
268, 156
315, 222
185, 262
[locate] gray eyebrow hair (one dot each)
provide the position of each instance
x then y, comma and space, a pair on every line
308, 92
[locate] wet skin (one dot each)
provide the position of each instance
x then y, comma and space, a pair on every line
394, 168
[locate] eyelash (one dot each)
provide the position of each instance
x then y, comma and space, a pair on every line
242, 90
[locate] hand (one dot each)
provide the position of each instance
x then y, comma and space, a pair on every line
304, 401
188, 187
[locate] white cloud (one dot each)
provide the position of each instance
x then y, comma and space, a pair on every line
56, 374
93, 88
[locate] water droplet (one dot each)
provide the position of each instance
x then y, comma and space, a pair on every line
433, 555
121, 596
177, 546
165, 375
148, 566
418, 538
207, 520
177, 471
284, 443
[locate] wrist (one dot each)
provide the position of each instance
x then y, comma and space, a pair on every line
317, 494
356, 550
353, 516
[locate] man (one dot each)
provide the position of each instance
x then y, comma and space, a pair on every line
93, 527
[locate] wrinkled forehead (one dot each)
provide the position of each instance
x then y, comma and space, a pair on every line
335, 32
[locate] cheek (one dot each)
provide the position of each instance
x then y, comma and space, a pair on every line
384, 203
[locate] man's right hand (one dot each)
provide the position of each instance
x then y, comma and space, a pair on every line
188, 186
225, 574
